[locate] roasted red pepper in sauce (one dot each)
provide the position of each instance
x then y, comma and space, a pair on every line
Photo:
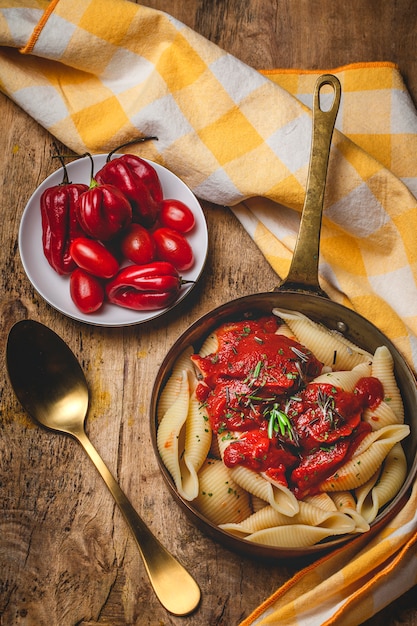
145, 287
258, 387
139, 182
60, 225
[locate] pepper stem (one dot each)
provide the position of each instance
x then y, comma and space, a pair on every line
93, 182
65, 179
129, 143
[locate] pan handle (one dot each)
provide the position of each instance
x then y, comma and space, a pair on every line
303, 272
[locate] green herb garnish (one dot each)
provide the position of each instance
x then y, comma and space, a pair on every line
279, 422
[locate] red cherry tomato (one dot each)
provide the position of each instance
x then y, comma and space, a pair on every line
175, 214
93, 257
137, 245
173, 247
86, 291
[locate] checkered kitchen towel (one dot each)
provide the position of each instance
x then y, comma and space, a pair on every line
97, 73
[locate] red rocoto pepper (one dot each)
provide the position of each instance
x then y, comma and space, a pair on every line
60, 225
138, 181
145, 287
103, 210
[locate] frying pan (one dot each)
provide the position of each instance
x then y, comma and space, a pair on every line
300, 291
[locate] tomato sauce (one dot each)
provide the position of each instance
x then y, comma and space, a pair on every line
258, 390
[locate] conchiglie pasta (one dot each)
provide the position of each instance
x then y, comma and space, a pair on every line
171, 389
343, 500
362, 466
220, 499
209, 346
346, 379
346, 504
383, 368
381, 416
321, 501
224, 439
171, 433
278, 496
292, 536
330, 347
285, 330
308, 514
371, 497
197, 443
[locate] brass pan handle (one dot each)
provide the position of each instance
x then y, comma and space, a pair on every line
303, 272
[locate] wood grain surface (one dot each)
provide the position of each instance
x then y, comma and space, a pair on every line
66, 555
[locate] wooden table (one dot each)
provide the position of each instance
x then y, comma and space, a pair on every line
66, 556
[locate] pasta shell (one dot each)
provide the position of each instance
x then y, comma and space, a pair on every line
359, 469
346, 379
321, 501
268, 517
210, 345
173, 384
383, 368
285, 330
384, 485
197, 443
171, 435
346, 504
220, 499
278, 496
382, 416
293, 536
330, 347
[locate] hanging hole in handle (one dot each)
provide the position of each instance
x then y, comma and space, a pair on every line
326, 97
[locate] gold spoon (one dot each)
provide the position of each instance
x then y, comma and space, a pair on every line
50, 384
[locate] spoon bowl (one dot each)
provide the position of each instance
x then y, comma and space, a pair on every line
50, 384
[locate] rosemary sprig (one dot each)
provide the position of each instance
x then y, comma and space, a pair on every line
327, 404
254, 375
279, 422
301, 355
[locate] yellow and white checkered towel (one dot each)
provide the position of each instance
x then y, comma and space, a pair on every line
97, 73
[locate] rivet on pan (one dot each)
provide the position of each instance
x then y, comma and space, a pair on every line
342, 327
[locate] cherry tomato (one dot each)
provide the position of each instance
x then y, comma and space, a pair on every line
86, 291
92, 256
175, 214
173, 247
137, 245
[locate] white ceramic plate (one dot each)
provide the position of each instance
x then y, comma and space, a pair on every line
55, 288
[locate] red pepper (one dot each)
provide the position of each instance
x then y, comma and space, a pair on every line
145, 287
60, 225
103, 211
138, 181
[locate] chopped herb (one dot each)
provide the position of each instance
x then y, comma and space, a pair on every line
257, 369
291, 375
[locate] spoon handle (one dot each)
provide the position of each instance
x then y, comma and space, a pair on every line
175, 588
